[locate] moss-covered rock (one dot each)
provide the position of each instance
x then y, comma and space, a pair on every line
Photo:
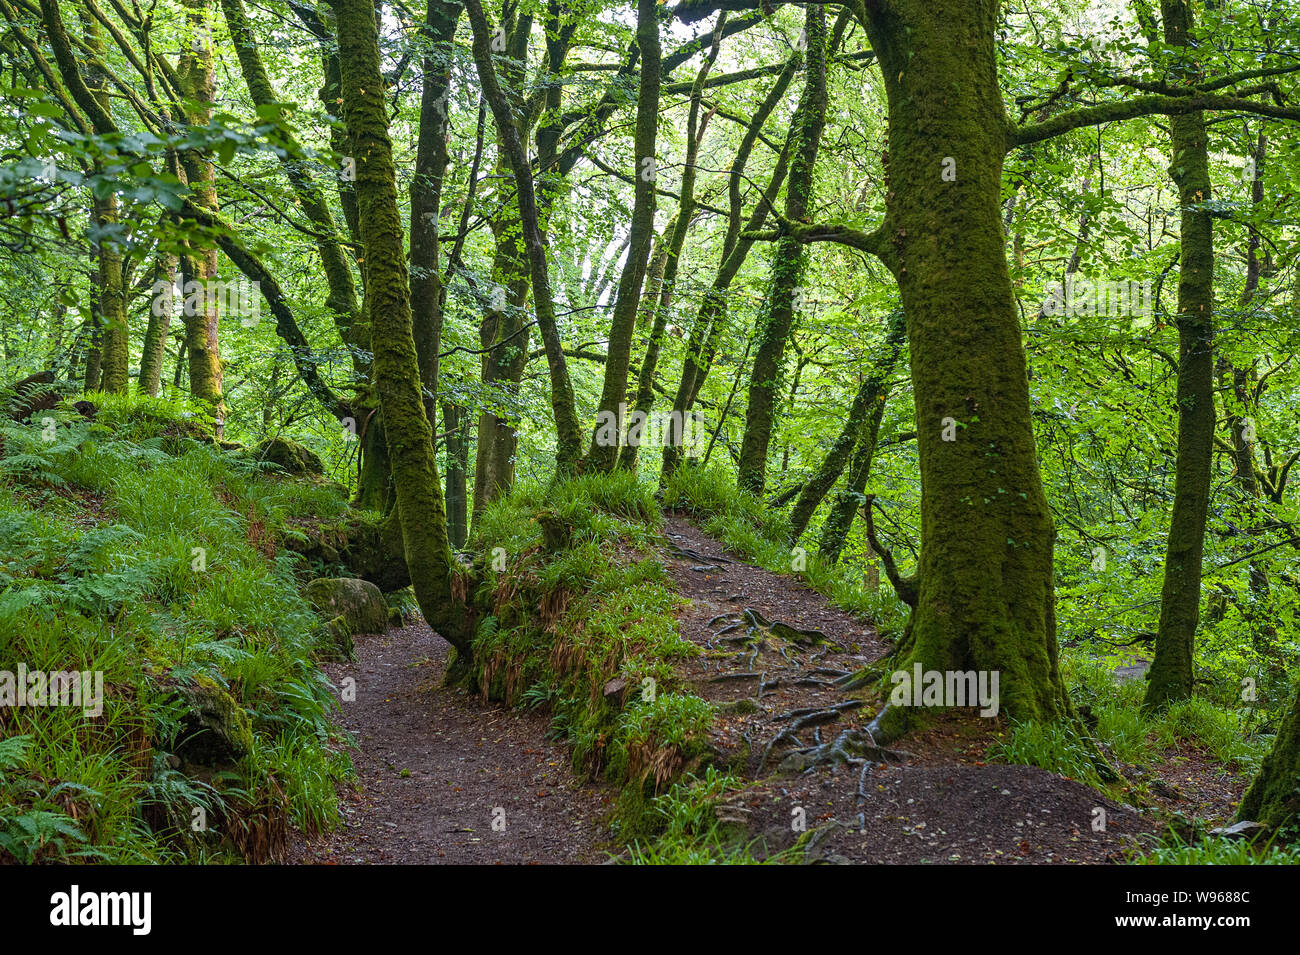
215, 731
291, 456
366, 547
350, 606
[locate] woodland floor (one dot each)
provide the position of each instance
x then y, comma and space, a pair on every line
434, 762
942, 804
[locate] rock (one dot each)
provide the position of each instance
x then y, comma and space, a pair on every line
795, 763
290, 455
366, 548
1136, 671
1162, 788
557, 534
215, 731
35, 393
351, 606
1240, 830
616, 690
743, 707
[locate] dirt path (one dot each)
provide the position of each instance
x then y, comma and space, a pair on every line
435, 763
788, 718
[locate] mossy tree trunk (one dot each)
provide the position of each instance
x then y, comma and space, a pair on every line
1274, 796
201, 314
454, 423
409, 436
986, 598
656, 300
504, 336
835, 528
94, 347
504, 333
111, 366
426, 195
1170, 676
788, 261
341, 298
155, 333
1237, 384
603, 454
662, 276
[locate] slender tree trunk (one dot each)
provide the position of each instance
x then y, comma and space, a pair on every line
155, 335
94, 348
835, 528
504, 333
1170, 676
179, 372
867, 403
457, 464
202, 317
655, 302
115, 352
342, 298
707, 327
416, 484
1237, 384
788, 261
563, 404
426, 196
603, 454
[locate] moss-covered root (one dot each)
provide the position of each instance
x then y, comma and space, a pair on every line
1274, 797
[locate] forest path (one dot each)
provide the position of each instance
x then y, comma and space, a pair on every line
434, 763
930, 798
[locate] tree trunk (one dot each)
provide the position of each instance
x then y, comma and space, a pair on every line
707, 328
603, 454
457, 464
155, 335
114, 350
409, 437
94, 348
788, 261
1170, 676
426, 196
504, 334
835, 528
563, 405
655, 302
1274, 798
986, 597
870, 398
202, 318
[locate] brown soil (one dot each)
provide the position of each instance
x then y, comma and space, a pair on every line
435, 762
932, 798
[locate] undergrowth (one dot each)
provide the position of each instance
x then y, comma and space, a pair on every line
135, 550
